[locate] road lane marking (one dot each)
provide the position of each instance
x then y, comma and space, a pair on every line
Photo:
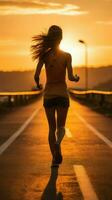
6, 144
84, 183
68, 133
94, 130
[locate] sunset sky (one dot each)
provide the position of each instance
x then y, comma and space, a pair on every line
89, 20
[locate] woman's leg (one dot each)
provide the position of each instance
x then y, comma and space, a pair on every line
50, 113
61, 119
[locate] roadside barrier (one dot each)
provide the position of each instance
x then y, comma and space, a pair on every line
99, 97
18, 98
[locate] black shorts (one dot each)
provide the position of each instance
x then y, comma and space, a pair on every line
56, 102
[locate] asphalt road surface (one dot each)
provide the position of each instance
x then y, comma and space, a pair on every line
25, 159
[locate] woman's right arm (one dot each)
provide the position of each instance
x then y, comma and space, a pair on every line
71, 77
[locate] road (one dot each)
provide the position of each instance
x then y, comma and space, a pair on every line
25, 159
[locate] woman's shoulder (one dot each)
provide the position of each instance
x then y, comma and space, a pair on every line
67, 56
65, 53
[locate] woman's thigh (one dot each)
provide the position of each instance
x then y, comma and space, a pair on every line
61, 116
50, 113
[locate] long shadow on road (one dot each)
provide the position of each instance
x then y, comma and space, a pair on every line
50, 191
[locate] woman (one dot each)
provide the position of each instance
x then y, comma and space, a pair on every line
55, 97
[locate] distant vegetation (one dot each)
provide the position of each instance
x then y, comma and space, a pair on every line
104, 86
98, 78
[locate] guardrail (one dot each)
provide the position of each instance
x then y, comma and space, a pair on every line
99, 97
16, 98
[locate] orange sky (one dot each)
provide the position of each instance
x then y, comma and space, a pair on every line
89, 20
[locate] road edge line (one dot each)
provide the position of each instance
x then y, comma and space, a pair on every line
85, 183
95, 131
11, 139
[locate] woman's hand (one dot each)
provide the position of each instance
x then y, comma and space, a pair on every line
77, 78
39, 87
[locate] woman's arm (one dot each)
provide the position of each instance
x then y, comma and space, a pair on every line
71, 77
37, 72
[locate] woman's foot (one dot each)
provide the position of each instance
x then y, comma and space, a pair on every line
57, 158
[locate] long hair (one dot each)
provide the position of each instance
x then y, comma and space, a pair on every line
43, 43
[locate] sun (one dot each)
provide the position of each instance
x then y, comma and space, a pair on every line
74, 49
67, 46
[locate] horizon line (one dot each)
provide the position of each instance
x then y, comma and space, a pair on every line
81, 66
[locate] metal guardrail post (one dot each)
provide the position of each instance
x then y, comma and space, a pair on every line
25, 98
87, 96
102, 99
21, 99
16, 100
93, 96
9, 100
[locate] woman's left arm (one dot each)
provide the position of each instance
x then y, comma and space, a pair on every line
37, 72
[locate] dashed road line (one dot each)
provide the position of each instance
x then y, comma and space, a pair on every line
94, 130
68, 133
84, 183
6, 144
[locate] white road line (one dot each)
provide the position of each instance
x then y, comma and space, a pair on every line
6, 144
95, 131
68, 133
84, 183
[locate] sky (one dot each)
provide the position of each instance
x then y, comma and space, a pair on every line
88, 20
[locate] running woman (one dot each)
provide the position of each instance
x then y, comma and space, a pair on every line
55, 97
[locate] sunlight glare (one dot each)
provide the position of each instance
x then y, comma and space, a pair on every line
74, 49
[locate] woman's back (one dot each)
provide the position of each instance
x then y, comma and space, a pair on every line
55, 65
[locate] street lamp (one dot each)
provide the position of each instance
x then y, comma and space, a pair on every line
86, 63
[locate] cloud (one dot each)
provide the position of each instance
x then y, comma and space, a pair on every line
108, 0
104, 22
25, 7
